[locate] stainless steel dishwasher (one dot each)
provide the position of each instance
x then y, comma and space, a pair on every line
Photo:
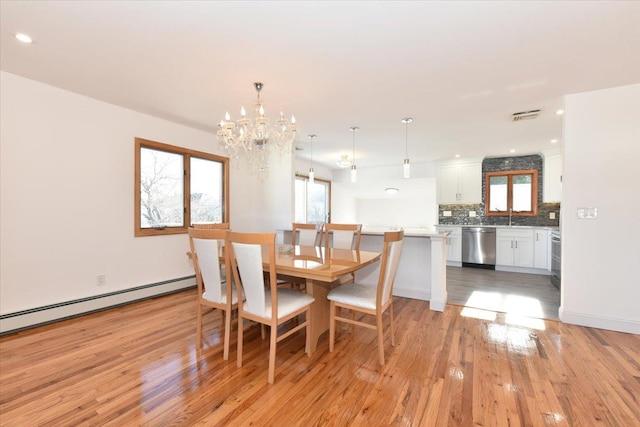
479, 247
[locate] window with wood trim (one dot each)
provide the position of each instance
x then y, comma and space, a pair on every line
176, 187
511, 192
312, 201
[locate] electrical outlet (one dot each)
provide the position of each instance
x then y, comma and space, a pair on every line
552, 215
446, 213
472, 214
101, 279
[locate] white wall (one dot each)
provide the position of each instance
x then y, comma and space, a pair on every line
600, 281
366, 202
67, 170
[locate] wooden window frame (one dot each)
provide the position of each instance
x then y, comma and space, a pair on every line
509, 175
187, 154
328, 182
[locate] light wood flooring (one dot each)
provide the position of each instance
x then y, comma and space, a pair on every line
530, 295
137, 365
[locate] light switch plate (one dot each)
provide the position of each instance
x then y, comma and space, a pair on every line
552, 215
446, 213
472, 214
587, 213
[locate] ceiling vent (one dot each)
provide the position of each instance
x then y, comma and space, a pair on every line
525, 115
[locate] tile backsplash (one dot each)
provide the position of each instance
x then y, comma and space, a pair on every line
460, 216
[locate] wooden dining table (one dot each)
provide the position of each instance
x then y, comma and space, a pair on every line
321, 268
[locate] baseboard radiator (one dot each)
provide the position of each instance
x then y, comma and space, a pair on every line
26, 319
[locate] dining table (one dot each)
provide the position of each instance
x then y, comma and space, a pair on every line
321, 268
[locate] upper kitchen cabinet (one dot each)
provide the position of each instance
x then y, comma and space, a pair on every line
460, 182
552, 181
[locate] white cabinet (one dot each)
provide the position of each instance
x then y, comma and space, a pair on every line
460, 182
541, 249
552, 178
454, 242
514, 247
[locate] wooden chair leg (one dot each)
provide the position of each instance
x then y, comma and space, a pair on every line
307, 343
240, 331
263, 329
272, 353
393, 325
199, 327
227, 333
332, 325
380, 338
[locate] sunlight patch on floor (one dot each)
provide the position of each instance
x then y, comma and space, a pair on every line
520, 310
477, 313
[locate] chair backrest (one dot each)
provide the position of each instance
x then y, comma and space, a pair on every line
307, 234
205, 253
389, 265
345, 236
246, 263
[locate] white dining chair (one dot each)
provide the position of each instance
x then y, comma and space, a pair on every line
343, 236
302, 235
265, 303
213, 290
372, 301
306, 234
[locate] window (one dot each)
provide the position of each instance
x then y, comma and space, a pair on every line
176, 187
511, 190
312, 201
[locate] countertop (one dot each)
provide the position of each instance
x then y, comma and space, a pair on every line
408, 231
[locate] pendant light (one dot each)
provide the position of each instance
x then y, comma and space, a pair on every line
353, 130
311, 173
406, 172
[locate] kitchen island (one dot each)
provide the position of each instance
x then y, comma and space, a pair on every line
422, 272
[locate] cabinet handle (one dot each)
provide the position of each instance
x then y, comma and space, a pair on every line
516, 244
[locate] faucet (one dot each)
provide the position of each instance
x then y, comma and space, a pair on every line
510, 214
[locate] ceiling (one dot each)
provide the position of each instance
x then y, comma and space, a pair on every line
459, 69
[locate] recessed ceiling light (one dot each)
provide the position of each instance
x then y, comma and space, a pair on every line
24, 38
391, 190
512, 151
553, 141
560, 112
457, 155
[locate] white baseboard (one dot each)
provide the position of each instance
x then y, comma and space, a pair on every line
409, 293
620, 325
437, 305
527, 270
13, 322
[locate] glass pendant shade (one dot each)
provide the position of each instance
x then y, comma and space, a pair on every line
406, 167
354, 175
312, 177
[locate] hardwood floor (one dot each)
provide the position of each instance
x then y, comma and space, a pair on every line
530, 295
137, 365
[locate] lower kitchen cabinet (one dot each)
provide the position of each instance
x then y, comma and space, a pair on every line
514, 247
454, 243
541, 249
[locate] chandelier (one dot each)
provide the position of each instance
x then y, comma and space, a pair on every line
254, 138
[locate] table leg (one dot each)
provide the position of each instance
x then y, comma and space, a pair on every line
319, 310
